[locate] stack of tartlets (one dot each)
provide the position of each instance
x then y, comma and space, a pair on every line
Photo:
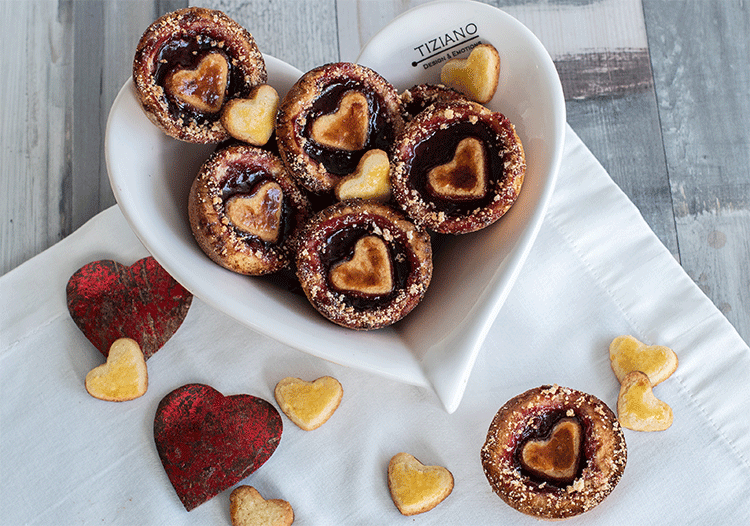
349, 180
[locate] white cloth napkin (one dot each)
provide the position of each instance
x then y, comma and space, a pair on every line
595, 272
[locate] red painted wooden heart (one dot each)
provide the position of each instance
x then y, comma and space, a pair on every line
208, 442
108, 301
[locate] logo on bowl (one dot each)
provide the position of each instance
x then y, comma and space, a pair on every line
446, 45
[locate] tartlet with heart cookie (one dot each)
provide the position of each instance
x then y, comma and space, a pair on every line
245, 210
331, 117
188, 64
554, 452
363, 265
458, 167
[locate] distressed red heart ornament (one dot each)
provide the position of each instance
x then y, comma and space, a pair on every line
108, 301
208, 442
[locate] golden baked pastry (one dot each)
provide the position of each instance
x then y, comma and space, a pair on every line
187, 65
123, 376
457, 168
554, 452
362, 264
331, 117
476, 76
422, 96
247, 507
627, 354
309, 404
637, 407
245, 210
416, 488
371, 180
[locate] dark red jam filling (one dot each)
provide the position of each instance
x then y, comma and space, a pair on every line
339, 246
439, 148
245, 180
186, 53
380, 134
540, 428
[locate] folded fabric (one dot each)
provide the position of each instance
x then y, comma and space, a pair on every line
595, 272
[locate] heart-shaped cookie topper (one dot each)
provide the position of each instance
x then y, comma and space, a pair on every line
627, 354
371, 180
464, 177
369, 271
416, 488
252, 120
108, 301
476, 76
556, 457
208, 442
348, 127
637, 407
309, 404
202, 88
258, 214
123, 377
247, 507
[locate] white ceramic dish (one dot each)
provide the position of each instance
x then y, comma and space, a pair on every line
437, 344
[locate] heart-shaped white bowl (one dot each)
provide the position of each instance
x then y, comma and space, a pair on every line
436, 345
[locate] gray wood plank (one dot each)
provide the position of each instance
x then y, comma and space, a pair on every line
700, 53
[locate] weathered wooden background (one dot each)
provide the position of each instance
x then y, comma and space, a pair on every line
659, 90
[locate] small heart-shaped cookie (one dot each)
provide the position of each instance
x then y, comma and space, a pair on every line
258, 214
202, 88
476, 76
416, 488
348, 127
627, 354
369, 272
123, 377
557, 456
248, 508
371, 180
309, 404
637, 407
252, 120
464, 177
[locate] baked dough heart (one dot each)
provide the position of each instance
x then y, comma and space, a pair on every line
627, 354
309, 404
557, 456
247, 507
252, 120
258, 214
476, 76
346, 128
207, 442
202, 88
123, 376
637, 407
464, 177
371, 180
416, 488
368, 272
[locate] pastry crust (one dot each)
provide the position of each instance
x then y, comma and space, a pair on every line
431, 139
422, 96
331, 237
237, 171
602, 461
318, 93
178, 41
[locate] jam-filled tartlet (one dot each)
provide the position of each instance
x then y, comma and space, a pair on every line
458, 167
420, 97
245, 210
331, 117
188, 64
363, 265
554, 452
